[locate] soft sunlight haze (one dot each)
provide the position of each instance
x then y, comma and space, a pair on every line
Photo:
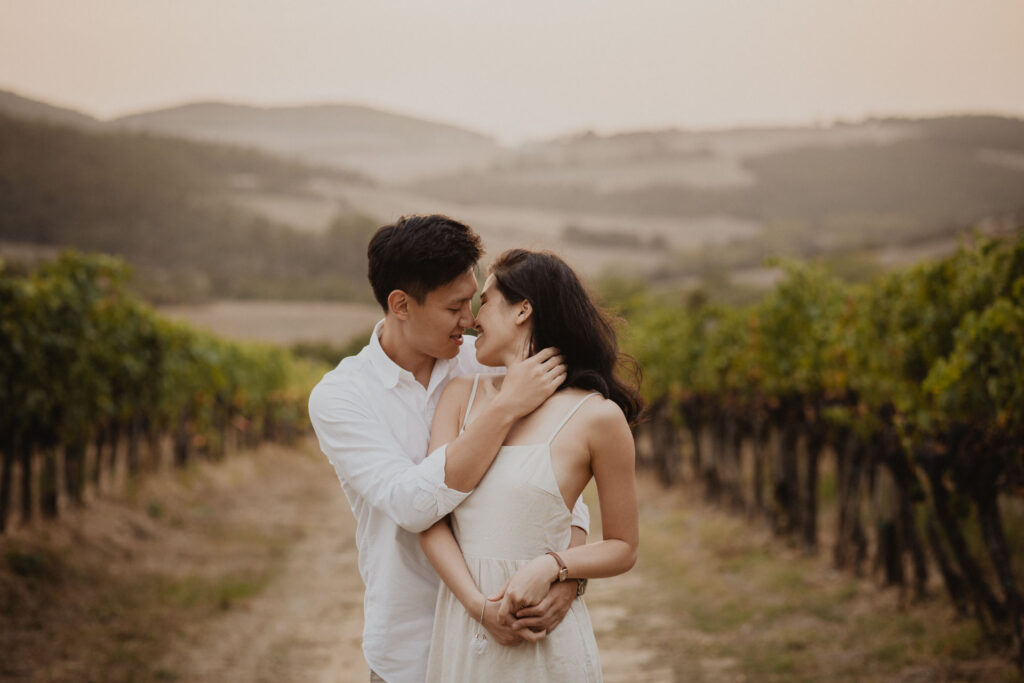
527, 69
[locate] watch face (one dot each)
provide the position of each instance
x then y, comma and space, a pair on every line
563, 573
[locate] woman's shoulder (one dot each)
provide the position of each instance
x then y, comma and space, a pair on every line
596, 410
604, 426
458, 389
461, 387
463, 382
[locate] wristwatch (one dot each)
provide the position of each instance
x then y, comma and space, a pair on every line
563, 571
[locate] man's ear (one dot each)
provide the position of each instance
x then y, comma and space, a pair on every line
398, 304
525, 311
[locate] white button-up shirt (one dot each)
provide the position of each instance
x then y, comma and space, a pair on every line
373, 419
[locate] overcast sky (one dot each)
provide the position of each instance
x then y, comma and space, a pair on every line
521, 69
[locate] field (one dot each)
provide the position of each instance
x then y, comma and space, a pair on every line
281, 322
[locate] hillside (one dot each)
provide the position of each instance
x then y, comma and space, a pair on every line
381, 144
15, 105
166, 205
673, 206
838, 190
957, 169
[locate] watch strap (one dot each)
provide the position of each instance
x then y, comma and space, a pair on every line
563, 571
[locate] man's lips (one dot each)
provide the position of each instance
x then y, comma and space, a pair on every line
457, 338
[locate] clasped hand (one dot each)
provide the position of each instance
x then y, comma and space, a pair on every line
529, 605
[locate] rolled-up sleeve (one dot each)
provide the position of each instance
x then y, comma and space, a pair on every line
581, 515
368, 459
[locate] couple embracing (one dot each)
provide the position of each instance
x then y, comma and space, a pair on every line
464, 459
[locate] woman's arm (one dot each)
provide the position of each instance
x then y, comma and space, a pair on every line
441, 548
612, 459
438, 542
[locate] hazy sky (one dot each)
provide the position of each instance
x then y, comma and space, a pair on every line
520, 69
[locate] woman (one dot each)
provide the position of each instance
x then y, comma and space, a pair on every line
511, 536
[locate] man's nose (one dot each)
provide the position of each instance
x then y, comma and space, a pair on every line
467, 320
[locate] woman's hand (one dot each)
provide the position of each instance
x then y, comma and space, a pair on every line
549, 612
527, 587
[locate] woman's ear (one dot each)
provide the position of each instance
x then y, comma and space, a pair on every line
525, 311
398, 304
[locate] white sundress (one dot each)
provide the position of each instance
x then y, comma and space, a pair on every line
515, 514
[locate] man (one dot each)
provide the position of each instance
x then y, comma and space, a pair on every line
372, 416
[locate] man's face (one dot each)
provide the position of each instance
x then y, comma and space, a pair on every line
436, 325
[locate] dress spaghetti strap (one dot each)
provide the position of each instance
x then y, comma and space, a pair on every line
469, 406
571, 413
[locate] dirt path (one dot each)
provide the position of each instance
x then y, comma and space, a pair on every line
246, 571
237, 571
306, 624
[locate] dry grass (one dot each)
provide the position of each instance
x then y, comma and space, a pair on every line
241, 571
716, 598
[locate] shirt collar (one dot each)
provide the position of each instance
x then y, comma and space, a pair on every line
390, 372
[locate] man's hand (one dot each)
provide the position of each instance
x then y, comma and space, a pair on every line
527, 587
531, 380
549, 612
504, 634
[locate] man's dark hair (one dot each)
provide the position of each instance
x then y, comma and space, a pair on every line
418, 254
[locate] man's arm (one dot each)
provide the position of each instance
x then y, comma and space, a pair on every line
367, 458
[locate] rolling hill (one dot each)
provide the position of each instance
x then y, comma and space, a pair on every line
166, 205
249, 195
383, 145
812, 191
18, 106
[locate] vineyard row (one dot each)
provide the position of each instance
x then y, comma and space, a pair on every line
911, 386
94, 384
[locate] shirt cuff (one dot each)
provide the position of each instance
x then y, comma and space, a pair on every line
438, 494
581, 516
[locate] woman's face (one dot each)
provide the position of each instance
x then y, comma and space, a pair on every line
499, 336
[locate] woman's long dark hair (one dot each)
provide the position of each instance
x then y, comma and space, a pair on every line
564, 316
